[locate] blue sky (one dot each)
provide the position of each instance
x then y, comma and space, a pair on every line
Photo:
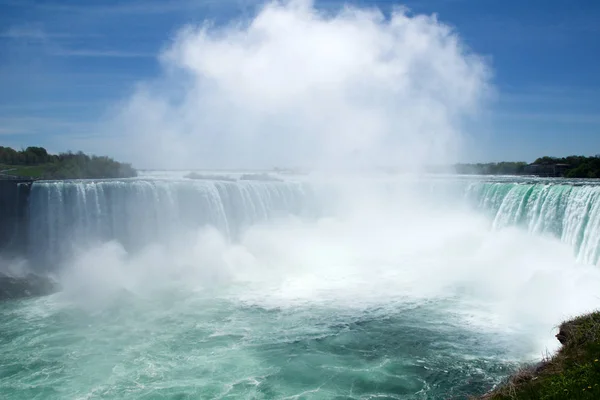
64, 62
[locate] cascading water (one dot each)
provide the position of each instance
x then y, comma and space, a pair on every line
216, 289
567, 210
135, 213
393, 287
138, 212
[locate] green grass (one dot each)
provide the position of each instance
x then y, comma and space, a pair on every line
30, 171
572, 373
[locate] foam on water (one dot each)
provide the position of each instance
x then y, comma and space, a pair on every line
568, 210
397, 292
360, 287
138, 212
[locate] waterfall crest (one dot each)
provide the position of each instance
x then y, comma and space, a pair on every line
138, 212
564, 210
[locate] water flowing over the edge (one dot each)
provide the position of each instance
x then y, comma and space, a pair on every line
138, 212
563, 210
364, 329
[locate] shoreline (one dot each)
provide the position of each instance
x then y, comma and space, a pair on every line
573, 372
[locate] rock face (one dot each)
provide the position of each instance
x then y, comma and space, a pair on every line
31, 285
562, 336
14, 195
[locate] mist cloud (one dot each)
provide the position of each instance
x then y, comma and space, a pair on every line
295, 86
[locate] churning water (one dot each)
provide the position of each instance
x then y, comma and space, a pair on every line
296, 287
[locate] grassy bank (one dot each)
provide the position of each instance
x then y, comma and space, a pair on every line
572, 373
37, 163
26, 171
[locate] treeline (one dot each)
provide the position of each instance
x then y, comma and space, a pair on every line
29, 156
578, 166
570, 167
37, 162
501, 168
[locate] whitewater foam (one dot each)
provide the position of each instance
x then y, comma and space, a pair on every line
566, 210
396, 249
371, 281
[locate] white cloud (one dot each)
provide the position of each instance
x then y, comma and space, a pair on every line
31, 32
30, 125
24, 32
128, 7
9, 131
99, 53
550, 117
295, 86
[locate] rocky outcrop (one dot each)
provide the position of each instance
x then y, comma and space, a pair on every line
14, 195
31, 285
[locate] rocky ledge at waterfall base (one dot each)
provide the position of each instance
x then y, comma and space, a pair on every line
30, 285
572, 373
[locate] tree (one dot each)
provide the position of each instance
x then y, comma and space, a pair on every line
66, 165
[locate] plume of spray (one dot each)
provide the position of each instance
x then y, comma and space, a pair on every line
13, 267
295, 86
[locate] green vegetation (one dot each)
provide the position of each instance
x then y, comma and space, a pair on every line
32, 171
579, 166
573, 373
569, 167
501, 168
36, 162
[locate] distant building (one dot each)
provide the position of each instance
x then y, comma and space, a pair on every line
547, 170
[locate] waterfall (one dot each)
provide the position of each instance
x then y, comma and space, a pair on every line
564, 210
139, 212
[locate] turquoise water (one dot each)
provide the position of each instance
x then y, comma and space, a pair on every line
566, 209
194, 346
371, 290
